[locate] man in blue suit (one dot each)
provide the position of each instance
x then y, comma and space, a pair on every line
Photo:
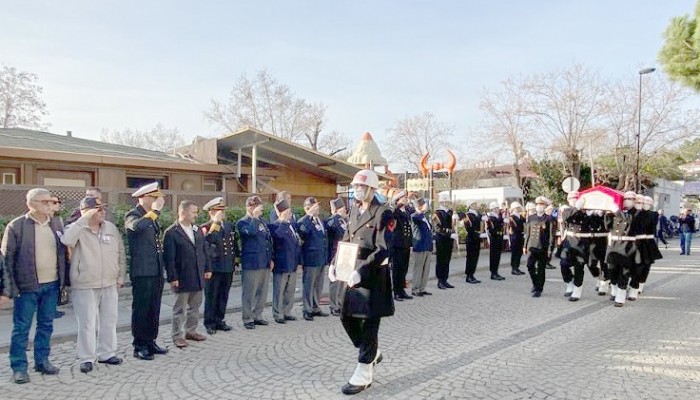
287, 258
422, 248
256, 260
314, 249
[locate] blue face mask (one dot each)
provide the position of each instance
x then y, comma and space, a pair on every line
379, 197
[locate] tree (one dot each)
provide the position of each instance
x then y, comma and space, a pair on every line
335, 144
413, 136
21, 105
679, 54
266, 104
158, 138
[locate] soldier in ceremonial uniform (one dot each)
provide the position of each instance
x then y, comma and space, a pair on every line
368, 297
597, 249
516, 230
401, 244
472, 224
647, 249
537, 245
336, 224
444, 229
222, 243
287, 258
256, 261
574, 253
622, 248
494, 228
147, 269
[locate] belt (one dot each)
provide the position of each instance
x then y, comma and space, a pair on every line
645, 237
580, 234
622, 238
599, 234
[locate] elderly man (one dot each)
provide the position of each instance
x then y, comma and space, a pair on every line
147, 268
287, 258
422, 243
89, 192
256, 260
187, 268
314, 257
337, 224
98, 268
35, 265
286, 196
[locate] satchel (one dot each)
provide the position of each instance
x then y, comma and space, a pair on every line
63, 297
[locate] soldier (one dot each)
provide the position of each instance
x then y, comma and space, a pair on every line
336, 223
422, 233
574, 253
222, 243
442, 224
287, 257
494, 229
314, 257
516, 230
472, 224
401, 245
256, 261
647, 249
537, 245
368, 297
147, 268
597, 250
622, 248
555, 234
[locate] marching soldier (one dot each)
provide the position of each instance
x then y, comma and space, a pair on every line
337, 224
516, 230
401, 245
574, 247
314, 257
647, 249
472, 224
622, 248
597, 250
147, 269
494, 228
442, 223
287, 258
222, 241
537, 245
555, 234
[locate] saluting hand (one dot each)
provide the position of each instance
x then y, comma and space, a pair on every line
158, 204
218, 217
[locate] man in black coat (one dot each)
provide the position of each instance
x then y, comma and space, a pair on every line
444, 231
401, 245
146, 269
516, 230
472, 224
537, 246
187, 266
494, 228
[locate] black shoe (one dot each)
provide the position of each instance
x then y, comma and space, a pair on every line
424, 293
260, 322
335, 313
352, 389
418, 294
46, 368
86, 367
143, 354
447, 285
397, 297
249, 325
406, 296
155, 349
59, 314
441, 286
211, 330
497, 277
320, 313
573, 298
536, 293
20, 377
280, 320
533, 290
550, 266
291, 318
472, 280
223, 327
114, 360
517, 271
308, 316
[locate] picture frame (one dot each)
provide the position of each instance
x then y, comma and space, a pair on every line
345, 260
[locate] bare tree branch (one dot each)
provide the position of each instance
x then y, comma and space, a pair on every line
21, 105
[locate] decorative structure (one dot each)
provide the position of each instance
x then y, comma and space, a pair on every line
367, 154
427, 170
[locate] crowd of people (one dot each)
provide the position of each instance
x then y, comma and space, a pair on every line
41, 258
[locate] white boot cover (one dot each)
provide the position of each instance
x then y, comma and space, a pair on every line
362, 375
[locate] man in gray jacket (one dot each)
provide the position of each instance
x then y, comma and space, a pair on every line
98, 268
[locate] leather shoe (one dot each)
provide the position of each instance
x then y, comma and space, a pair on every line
517, 271
143, 354
260, 322
441, 286
398, 297
197, 337
308, 316
155, 349
497, 277
86, 367
352, 389
46, 368
406, 296
320, 313
114, 360
59, 314
290, 318
223, 327
447, 285
536, 293
424, 293
211, 331
249, 325
280, 320
180, 343
20, 377
335, 313
472, 280
418, 294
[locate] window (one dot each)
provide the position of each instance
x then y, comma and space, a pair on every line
64, 182
211, 185
134, 182
9, 178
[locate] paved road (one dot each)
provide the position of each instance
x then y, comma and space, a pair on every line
488, 341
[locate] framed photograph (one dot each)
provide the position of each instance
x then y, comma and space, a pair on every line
345, 260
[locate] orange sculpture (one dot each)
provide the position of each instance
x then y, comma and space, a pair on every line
449, 166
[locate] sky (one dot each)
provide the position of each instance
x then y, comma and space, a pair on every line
113, 65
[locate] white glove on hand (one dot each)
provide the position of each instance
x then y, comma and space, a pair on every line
484, 218
158, 204
331, 273
580, 203
614, 208
218, 217
354, 279
453, 236
506, 220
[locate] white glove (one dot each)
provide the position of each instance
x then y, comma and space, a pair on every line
331, 273
218, 217
354, 279
614, 208
580, 203
506, 220
158, 204
484, 218
453, 236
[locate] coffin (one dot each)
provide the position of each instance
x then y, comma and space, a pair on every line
601, 198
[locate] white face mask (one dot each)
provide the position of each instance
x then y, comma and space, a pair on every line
360, 194
647, 207
637, 206
589, 212
628, 204
539, 209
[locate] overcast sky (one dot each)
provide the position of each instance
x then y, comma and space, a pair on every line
133, 64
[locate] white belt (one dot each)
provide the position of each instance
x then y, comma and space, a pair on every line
623, 238
579, 234
599, 234
645, 237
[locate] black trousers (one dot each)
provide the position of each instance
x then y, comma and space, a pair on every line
536, 263
443, 248
639, 275
495, 250
363, 332
473, 248
145, 309
399, 268
620, 275
600, 266
216, 297
516, 253
571, 268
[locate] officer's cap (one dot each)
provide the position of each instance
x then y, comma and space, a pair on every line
253, 201
150, 190
215, 204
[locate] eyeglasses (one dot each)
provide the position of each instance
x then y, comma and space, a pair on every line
45, 202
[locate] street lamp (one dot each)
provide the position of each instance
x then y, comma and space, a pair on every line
639, 130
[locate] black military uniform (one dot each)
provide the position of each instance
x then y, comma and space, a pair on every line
648, 251
442, 223
472, 224
621, 252
574, 253
401, 251
537, 243
516, 230
222, 242
597, 249
494, 228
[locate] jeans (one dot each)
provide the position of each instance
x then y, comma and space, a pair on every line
686, 239
43, 303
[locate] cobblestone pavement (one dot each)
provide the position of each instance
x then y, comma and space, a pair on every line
486, 341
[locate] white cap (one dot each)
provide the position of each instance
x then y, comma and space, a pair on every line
648, 200
493, 205
630, 195
530, 206
444, 198
214, 203
639, 198
150, 189
541, 200
366, 177
515, 205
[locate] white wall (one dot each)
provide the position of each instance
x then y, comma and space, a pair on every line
667, 195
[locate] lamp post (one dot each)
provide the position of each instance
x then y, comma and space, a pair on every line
637, 183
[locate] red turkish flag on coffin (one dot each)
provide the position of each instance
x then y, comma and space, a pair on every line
601, 198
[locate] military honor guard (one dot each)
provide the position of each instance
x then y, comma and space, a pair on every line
314, 249
336, 224
222, 245
256, 260
655, 253
444, 230
422, 234
537, 245
622, 248
368, 297
287, 260
401, 244
574, 255
472, 224
647, 249
147, 269
597, 249
516, 231
494, 228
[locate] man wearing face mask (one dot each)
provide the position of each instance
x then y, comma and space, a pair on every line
622, 248
472, 223
647, 249
516, 230
598, 247
314, 256
494, 229
442, 223
575, 246
401, 245
337, 224
536, 245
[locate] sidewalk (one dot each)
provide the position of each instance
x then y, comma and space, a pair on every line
65, 328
